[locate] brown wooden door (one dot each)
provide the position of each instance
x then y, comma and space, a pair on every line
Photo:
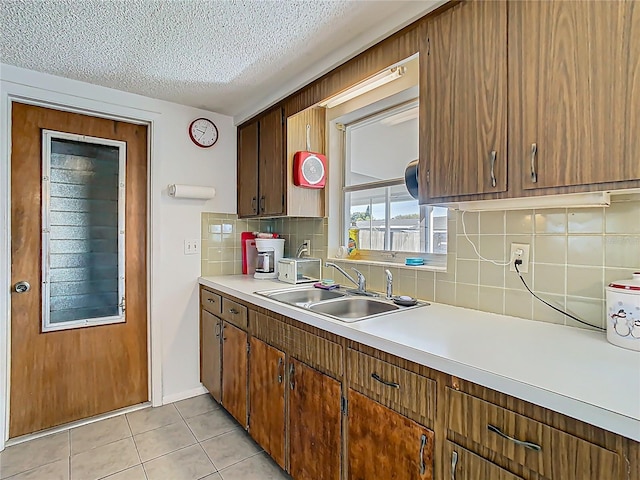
574, 91
272, 162
464, 101
248, 170
385, 444
266, 398
314, 424
211, 354
234, 372
66, 375
461, 464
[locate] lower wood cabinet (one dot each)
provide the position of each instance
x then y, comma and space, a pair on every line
234, 372
385, 444
211, 354
315, 440
266, 398
285, 383
540, 448
465, 465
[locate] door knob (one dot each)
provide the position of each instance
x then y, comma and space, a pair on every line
22, 287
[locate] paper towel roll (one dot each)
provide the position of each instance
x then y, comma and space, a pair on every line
191, 191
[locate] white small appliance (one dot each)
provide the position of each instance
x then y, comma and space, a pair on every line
299, 270
623, 313
270, 251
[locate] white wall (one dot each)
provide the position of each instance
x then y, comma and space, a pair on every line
174, 159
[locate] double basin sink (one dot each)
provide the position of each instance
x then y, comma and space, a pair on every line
344, 305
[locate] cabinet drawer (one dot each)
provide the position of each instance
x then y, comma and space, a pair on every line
317, 352
391, 385
460, 464
539, 447
210, 301
234, 313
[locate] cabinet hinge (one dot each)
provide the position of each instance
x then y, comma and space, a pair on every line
428, 46
428, 176
344, 407
248, 347
283, 202
248, 421
282, 116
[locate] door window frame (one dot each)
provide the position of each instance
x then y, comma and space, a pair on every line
47, 137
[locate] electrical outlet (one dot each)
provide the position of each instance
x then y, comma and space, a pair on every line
192, 247
308, 245
519, 251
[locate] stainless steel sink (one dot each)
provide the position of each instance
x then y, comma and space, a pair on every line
352, 309
303, 296
341, 304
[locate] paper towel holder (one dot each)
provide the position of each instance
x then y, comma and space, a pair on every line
196, 192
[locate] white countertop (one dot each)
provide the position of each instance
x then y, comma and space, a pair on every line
569, 370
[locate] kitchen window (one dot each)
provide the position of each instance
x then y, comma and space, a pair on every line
390, 223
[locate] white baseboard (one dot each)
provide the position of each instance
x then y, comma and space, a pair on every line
176, 397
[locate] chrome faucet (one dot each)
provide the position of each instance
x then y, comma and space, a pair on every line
389, 284
361, 282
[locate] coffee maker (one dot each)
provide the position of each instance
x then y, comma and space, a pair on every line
270, 250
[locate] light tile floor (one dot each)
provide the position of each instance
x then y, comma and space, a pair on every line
187, 440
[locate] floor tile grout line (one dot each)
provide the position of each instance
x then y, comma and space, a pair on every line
34, 468
239, 461
133, 438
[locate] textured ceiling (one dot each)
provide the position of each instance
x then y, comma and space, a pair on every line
224, 56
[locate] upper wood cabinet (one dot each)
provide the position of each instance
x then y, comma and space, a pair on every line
574, 92
463, 102
265, 164
261, 165
248, 170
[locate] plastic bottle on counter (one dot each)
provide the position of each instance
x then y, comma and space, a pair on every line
354, 240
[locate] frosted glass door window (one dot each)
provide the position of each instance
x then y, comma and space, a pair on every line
82, 231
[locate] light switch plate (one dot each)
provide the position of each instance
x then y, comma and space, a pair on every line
192, 247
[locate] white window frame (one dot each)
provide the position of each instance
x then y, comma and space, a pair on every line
426, 211
47, 137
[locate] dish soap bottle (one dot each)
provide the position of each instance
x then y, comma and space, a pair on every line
352, 245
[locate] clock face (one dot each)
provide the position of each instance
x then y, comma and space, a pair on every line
203, 132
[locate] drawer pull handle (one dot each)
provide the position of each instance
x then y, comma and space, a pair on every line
534, 173
210, 300
376, 377
454, 464
233, 311
280, 370
492, 161
423, 442
522, 443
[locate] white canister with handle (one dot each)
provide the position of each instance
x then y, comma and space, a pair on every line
623, 313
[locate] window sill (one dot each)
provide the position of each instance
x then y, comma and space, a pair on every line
426, 267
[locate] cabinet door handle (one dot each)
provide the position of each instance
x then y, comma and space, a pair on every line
454, 464
492, 161
292, 371
534, 152
280, 370
233, 311
262, 201
376, 377
254, 204
217, 330
423, 443
522, 443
